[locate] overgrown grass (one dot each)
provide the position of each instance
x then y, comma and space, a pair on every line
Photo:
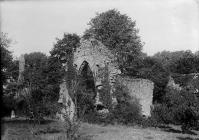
21, 129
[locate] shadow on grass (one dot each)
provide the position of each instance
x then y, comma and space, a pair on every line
149, 138
187, 138
49, 130
164, 127
18, 121
3, 129
172, 130
87, 137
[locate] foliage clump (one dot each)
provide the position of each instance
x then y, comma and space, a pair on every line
128, 109
118, 32
179, 107
6, 57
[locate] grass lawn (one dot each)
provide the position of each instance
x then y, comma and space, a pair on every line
22, 129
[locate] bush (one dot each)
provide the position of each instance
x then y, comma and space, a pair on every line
85, 103
127, 113
8, 99
35, 105
8, 105
71, 127
179, 107
128, 109
161, 114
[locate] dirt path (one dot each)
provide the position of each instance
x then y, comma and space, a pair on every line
97, 132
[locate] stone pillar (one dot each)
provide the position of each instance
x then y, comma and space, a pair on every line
109, 74
21, 68
98, 84
113, 73
67, 102
12, 114
20, 77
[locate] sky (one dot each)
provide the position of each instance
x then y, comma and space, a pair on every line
170, 25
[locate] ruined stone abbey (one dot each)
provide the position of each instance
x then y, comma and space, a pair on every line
93, 57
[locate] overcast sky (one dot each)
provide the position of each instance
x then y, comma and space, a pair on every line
164, 24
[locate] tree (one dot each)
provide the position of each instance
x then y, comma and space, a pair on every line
63, 51
152, 69
187, 64
65, 46
55, 74
35, 65
179, 62
6, 74
183, 62
6, 58
116, 31
197, 61
38, 95
184, 106
44, 73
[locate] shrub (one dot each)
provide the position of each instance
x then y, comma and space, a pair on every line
8, 105
161, 113
128, 109
85, 103
179, 107
35, 105
127, 113
71, 127
8, 99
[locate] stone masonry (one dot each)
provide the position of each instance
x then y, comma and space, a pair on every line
142, 89
98, 56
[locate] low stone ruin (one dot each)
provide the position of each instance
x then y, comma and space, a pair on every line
142, 89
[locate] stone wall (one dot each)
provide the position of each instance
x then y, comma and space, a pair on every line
67, 102
142, 89
97, 56
21, 68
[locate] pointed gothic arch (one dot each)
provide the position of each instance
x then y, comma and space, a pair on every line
86, 98
86, 75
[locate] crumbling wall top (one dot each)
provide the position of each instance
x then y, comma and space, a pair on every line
95, 53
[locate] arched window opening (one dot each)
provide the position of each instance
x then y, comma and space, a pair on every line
86, 77
86, 97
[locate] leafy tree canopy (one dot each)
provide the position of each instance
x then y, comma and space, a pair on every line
35, 65
62, 52
6, 57
183, 62
64, 47
40, 89
152, 69
116, 31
